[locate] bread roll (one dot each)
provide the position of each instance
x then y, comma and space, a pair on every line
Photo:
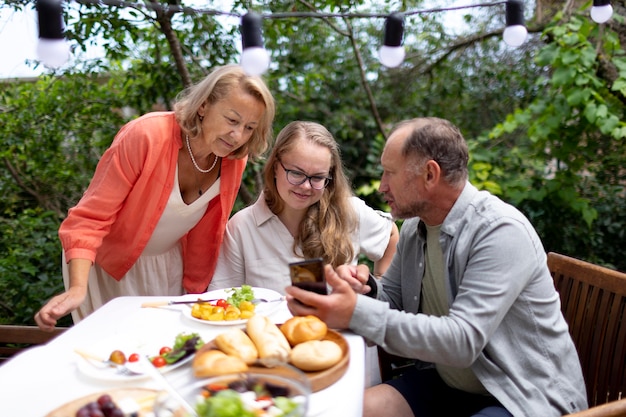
303, 328
315, 355
215, 362
235, 342
271, 343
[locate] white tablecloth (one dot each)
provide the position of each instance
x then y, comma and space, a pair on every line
45, 377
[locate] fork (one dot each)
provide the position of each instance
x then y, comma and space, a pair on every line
254, 301
161, 380
93, 359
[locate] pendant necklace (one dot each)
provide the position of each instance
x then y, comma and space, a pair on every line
195, 164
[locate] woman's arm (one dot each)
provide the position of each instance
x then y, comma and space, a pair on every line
68, 301
382, 264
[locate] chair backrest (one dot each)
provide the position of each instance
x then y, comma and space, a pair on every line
593, 301
14, 339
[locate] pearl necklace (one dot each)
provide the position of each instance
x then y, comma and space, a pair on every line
193, 160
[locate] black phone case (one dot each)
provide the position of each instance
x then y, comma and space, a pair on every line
309, 275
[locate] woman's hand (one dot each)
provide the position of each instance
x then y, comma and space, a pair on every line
59, 306
355, 275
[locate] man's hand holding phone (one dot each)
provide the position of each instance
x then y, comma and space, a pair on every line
309, 275
335, 308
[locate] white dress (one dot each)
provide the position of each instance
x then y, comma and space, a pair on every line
159, 269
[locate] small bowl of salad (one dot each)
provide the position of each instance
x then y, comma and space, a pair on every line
277, 392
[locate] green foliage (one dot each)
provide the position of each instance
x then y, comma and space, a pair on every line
52, 133
544, 122
30, 265
564, 162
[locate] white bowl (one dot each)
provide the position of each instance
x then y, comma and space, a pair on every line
284, 382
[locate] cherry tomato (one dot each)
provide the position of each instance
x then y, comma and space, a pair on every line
222, 303
214, 387
164, 350
134, 357
158, 361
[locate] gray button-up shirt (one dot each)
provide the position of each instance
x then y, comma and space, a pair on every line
505, 319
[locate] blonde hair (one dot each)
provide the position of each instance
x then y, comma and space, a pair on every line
215, 87
327, 228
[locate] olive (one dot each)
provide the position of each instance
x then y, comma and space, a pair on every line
117, 356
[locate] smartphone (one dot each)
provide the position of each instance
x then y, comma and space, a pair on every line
309, 275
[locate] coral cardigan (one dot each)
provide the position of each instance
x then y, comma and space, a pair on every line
118, 212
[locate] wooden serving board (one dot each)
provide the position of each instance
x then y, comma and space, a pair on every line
318, 379
144, 397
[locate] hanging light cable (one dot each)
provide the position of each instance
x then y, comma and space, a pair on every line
391, 54
601, 11
52, 48
254, 58
515, 32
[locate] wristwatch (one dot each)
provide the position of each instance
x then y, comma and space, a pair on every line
371, 281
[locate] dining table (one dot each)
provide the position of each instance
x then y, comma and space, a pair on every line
47, 377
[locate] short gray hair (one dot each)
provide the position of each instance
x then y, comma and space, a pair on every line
439, 140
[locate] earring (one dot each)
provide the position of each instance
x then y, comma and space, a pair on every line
201, 118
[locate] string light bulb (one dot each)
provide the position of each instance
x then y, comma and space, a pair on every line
515, 32
52, 48
254, 58
601, 11
391, 54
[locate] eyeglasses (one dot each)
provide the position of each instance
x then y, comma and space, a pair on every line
297, 178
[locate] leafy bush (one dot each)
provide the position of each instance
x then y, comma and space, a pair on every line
30, 270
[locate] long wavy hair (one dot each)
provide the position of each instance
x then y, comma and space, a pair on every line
327, 228
215, 87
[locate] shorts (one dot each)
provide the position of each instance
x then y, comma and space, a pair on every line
429, 396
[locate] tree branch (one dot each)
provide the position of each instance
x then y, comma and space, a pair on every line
164, 18
357, 54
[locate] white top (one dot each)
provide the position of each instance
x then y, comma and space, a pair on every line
257, 246
159, 269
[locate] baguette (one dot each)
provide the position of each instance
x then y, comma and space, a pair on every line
235, 342
271, 343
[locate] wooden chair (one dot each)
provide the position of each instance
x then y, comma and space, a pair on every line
14, 339
612, 409
593, 301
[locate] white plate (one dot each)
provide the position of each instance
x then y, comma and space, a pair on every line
263, 309
103, 349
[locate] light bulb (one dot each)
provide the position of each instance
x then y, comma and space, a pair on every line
514, 35
53, 53
601, 14
255, 60
52, 48
515, 32
391, 56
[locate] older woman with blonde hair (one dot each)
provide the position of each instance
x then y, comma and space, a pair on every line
153, 217
306, 210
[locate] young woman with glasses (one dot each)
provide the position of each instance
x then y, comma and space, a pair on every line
306, 210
